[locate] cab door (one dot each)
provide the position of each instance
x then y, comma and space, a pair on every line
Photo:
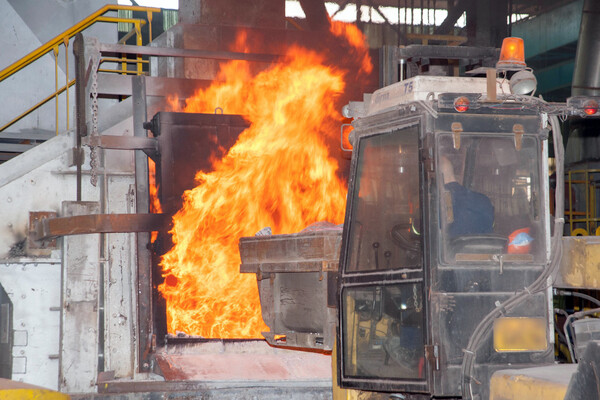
382, 307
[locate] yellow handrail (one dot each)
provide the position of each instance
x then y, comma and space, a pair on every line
38, 105
69, 33
63, 38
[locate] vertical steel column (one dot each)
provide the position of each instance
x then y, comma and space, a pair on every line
388, 61
144, 259
80, 100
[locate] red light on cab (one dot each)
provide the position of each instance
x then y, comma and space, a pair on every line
590, 107
461, 104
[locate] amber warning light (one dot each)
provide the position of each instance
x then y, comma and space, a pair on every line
512, 54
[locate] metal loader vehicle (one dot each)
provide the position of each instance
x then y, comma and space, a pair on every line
449, 246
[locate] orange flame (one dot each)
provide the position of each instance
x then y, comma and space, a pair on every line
155, 206
279, 174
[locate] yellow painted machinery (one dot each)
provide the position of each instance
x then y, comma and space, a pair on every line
12, 390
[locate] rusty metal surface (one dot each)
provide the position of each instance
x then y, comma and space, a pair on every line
35, 247
145, 304
187, 144
98, 223
298, 252
182, 390
264, 269
296, 281
580, 263
122, 142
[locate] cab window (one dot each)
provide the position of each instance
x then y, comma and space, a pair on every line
385, 225
383, 332
490, 199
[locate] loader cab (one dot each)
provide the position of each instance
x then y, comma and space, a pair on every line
446, 216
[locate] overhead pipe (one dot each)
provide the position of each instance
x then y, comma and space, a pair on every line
586, 75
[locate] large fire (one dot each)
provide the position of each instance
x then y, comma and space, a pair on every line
279, 174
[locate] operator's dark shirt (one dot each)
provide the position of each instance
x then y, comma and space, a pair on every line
473, 212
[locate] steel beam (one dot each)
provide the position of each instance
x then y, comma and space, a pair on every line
389, 70
454, 14
449, 52
98, 223
316, 14
80, 104
146, 144
172, 52
16, 148
227, 390
38, 156
28, 134
120, 85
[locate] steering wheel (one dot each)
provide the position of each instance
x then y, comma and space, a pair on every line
482, 244
405, 237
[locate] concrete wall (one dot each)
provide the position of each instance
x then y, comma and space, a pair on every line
33, 286
38, 180
63, 337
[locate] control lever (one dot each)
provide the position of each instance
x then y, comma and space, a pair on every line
376, 250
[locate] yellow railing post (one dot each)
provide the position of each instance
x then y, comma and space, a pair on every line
138, 41
55, 49
149, 17
66, 43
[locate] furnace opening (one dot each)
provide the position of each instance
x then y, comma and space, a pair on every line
259, 147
